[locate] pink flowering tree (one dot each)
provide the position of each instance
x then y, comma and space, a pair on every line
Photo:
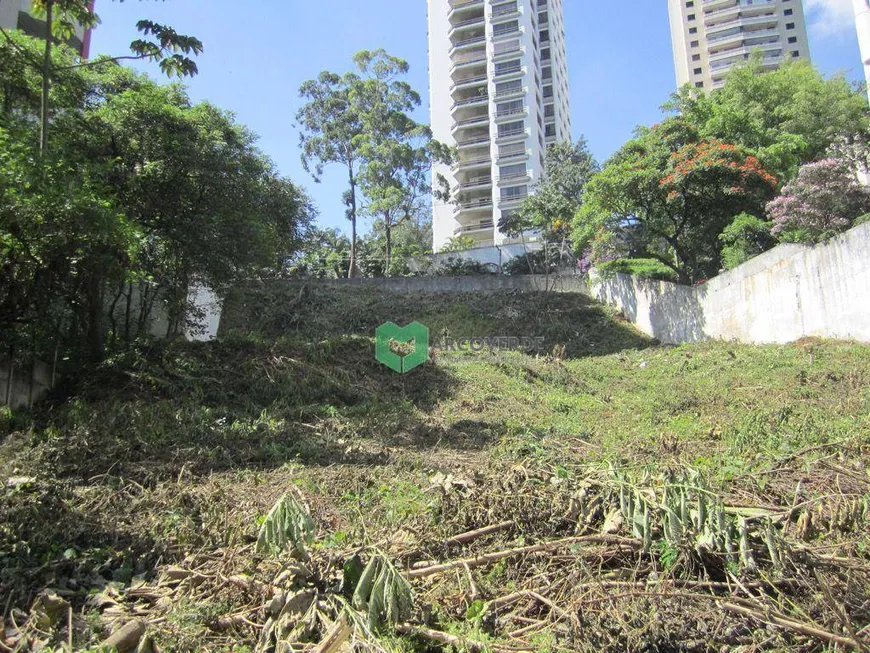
824, 199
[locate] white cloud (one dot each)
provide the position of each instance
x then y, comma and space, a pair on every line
829, 17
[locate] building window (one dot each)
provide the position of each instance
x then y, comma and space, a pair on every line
507, 67
788, 12
792, 39
698, 71
514, 149
511, 129
506, 28
515, 171
508, 88
694, 44
514, 193
789, 25
510, 108
795, 54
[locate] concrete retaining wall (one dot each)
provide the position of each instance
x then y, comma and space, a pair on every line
476, 283
21, 390
788, 293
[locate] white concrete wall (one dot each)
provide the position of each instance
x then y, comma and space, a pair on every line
21, 392
788, 293
487, 255
206, 302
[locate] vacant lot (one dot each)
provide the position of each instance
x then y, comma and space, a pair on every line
641, 498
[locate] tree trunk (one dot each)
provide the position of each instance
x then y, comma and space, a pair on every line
10, 376
46, 78
95, 317
389, 251
351, 270
127, 311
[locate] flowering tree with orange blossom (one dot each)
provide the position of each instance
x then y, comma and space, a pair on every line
667, 195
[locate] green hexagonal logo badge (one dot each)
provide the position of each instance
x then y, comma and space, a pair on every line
415, 332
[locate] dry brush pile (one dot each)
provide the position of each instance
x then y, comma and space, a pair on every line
607, 560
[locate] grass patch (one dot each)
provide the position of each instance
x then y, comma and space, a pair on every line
166, 456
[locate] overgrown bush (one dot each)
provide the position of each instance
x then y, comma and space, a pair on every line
540, 262
643, 268
456, 266
745, 238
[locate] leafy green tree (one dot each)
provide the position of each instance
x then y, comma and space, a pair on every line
667, 195
141, 191
784, 117
159, 43
557, 198
746, 237
409, 239
458, 244
324, 254
349, 120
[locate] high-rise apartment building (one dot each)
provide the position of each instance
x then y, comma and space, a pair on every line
862, 24
16, 14
499, 94
711, 36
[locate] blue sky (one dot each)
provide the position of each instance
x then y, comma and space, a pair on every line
619, 61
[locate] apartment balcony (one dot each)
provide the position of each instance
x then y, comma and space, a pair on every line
712, 5
735, 55
459, 8
742, 18
507, 71
770, 60
480, 182
474, 101
470, 123
744, 23
514, 179
506, 33
512, 93
474, 206
469, 59
514, 153
468, 82
506, 115
508, 10
474, 228
473, 163
463, 44
477, 22
473, 142
507, 50
512, 135
512, 200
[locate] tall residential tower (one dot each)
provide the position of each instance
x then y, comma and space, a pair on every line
499, 93
711, 36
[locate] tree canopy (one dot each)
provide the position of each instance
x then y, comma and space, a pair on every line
785, 117
360, 120
687, 197
667, 195
142, 194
